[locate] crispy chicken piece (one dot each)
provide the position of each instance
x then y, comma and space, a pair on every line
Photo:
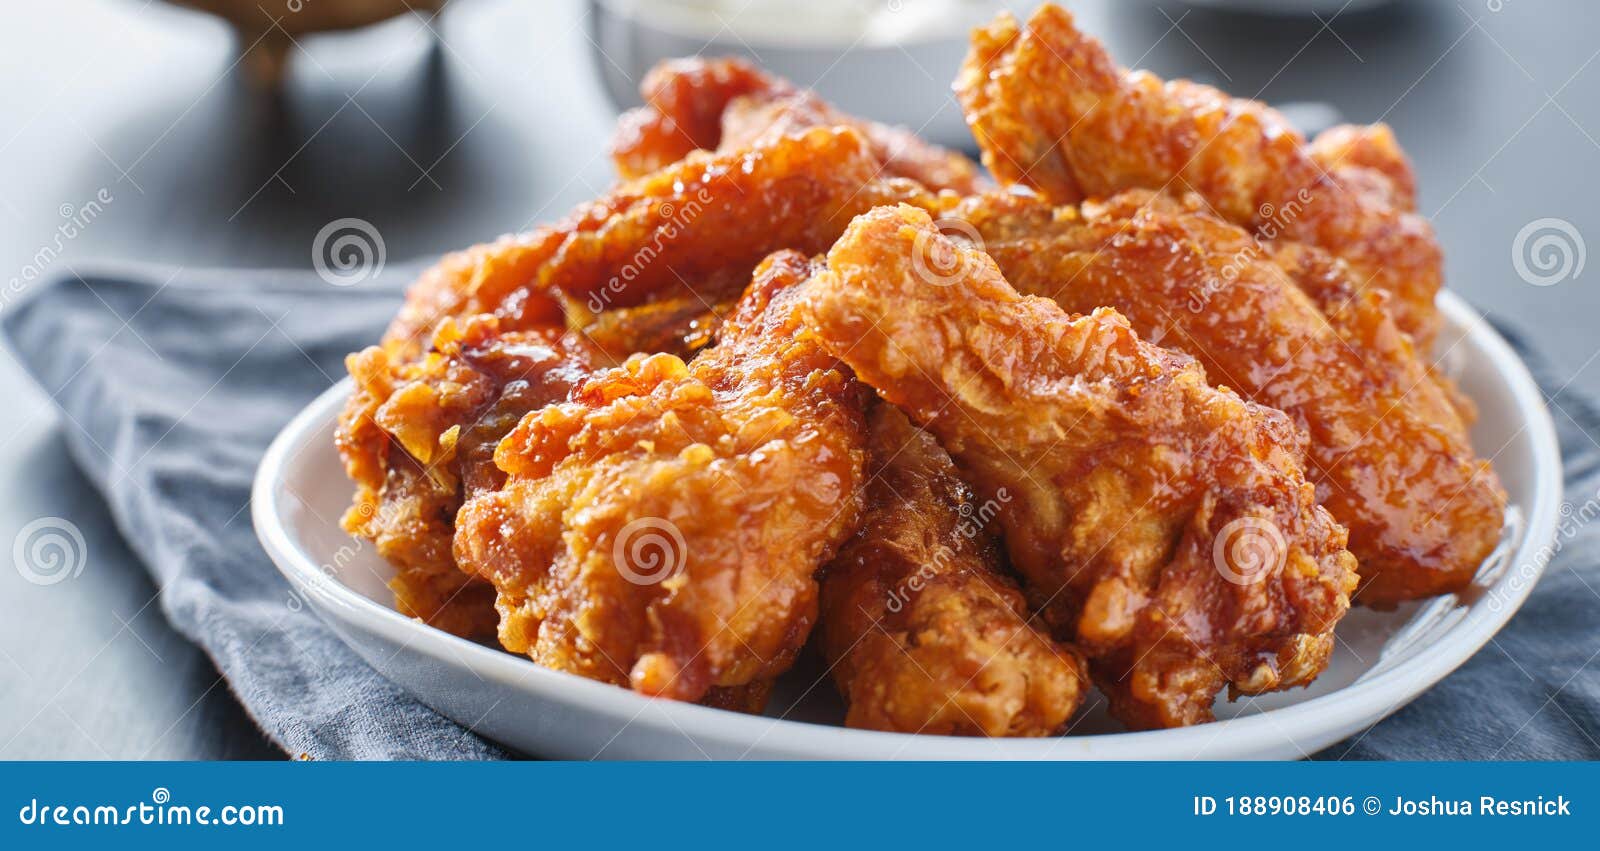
675, 325
499, 278
1052, 111
408, 489
708, 219
684, 100
662, 530
451, 410
1389, 455
1168, 525
924, 633
727, 104
1329, 283
418, 437
1369, 154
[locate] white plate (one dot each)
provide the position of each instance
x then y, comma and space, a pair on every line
1383, 660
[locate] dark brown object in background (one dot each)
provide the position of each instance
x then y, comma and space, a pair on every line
266, 37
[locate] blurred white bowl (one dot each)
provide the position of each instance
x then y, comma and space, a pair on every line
890, 61
1292, 7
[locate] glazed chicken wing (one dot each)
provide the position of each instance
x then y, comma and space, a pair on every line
924, 633
662, 530
676, 325
728, 104
617, 272
1168, 525
707, 220
1052, 111
684, 100
1388, 452
419, 437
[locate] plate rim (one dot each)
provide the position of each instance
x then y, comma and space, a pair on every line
1369, 700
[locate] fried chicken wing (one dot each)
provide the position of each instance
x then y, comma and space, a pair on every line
1388, 452
1368, 155
663, 528
1167, 524
419, 437
923, 632
1052, 111
684, 100
708, 219
728, 104
499, 278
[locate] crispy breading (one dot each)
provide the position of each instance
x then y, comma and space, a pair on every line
1388, 452
662, 530
676, 325
708, 220
417, 437
684, 100
1166, 524
923, 631
1052, 111
727, 104
1357, 152
499, 278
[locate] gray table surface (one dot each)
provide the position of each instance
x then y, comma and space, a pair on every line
491, 118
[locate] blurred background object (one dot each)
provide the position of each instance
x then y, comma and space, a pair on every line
1292, 7
266, 37
888, 59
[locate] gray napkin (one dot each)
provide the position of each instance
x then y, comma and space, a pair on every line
173, 384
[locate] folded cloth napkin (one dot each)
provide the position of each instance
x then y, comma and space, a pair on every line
172, 384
